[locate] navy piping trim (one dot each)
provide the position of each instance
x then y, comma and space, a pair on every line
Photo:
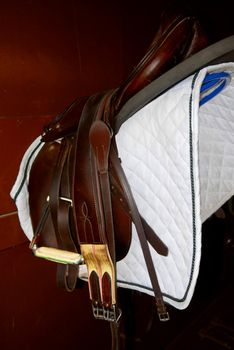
194, 228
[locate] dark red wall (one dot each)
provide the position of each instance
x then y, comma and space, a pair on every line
50, 53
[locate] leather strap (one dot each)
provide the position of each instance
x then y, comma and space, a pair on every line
151, 236
60, 207
162, 313
94, 208
100, 140
115, 343
85, 209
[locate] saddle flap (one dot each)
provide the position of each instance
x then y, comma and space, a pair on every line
100, 140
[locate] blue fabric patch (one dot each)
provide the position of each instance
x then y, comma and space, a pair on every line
212, 85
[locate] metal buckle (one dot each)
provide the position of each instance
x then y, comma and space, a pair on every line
66, 200
162, 311
62, 199
110, 314
163, 317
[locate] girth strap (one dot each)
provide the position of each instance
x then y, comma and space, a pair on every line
93, 206
100, 141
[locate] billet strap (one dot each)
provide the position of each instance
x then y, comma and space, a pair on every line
161, 308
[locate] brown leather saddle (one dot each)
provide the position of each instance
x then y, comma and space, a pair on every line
81, 205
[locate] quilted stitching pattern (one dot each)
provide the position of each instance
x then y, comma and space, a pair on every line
154, 146
161, 154
217, 152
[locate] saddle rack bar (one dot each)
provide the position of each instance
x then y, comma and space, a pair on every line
58, 255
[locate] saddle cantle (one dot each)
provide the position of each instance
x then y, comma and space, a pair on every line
81, 205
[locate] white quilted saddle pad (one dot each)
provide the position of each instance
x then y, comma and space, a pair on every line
179, 161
